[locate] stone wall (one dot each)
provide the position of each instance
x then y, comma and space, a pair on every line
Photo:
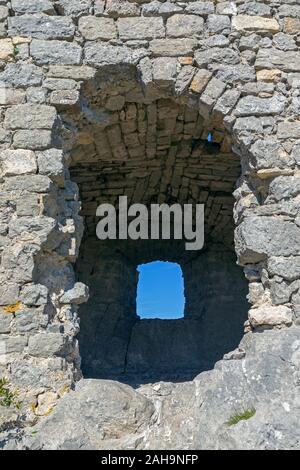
121, 95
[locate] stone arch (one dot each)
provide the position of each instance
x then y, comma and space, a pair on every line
42, 228
147, 139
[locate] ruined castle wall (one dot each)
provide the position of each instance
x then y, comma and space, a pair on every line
71, 72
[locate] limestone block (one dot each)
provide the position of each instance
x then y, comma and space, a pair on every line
6, 50
29, 116
254, 8
40, 227
35, 139
182, 26
200, 81
288, 61
271, 316
21, 75
140, 28
156, 8
254, 106
17, 162
284, 187
11, 96
55, 52
46, 344
9, 293
226, 8
217, 24
292, 25
5, 323
236, 73
14, 344
93, 28
75, 8
35, 294
78, 295
212, 92
74, 72
121, 8
101, 54
51, 163
259, 237
255, 23
41, 26
267, 153
218, 55
164, 71
32, 6
30, 320
289, 130
3, 12
64, 98
200, 8
173, 47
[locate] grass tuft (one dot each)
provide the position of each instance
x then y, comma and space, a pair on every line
242, 416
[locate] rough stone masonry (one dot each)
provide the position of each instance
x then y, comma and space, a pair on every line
162, 101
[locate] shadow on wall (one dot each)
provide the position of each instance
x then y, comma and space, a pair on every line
116, 344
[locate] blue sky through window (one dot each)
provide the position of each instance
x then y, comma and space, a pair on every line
160, 291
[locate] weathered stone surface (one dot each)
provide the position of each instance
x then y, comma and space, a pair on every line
51, 163
289, 268
55, 52
217, 24
17, 162
216, 55
173, 47
116, 408
141, 28
254, 106
292, 25
189, 100
289, 130
33, 139
75, 8
200, 8
284, 187
33, 6
254, 8
200, 81
270, 316
267, 153
121, 8
255, 23
212, 92
10, 96
180, 26
21, 75
164, 71
78, 295
269, 358
28, 116
93, 28
259, 237
34, 295
46, 344
99, 54
41, 26
74, 72
288, 61
236, 73
6, 50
